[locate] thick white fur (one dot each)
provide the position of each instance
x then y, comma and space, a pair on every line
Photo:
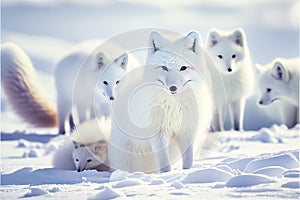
230, 55
87, 142
77, 75
20, 85
176, 119
282, 85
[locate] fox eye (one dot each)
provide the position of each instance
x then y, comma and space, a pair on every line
117, 82
164, 68
89, 160
183, 68
76, 160
269, 90
105, 82
220, 56
233, 56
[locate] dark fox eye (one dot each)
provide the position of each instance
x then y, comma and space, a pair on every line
269, 90
164, 68
220, 56
89, 160
233, 56
117, 82
105, 82
183, 68
76, 160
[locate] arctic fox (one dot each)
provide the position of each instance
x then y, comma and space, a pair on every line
230, 55
280, 81
86, 148
81, 74
77, 73
172, 92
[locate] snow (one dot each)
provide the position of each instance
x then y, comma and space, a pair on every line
259, 163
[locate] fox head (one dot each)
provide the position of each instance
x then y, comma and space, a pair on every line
174, 62
111, 75
89, 156
227, 50
274, 83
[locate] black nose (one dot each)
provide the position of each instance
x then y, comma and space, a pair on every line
78, 170
173, 88
111, 98
229, 69
260, 102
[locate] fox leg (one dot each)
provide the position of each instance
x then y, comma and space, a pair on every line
71, 122
186, 147
62, 112
160, 148
236, 109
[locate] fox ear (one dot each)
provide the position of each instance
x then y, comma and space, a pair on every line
101, 59
238, 37
122, 60
279, 72
213, 38
193, 42
76, 144
100, 149
156, 41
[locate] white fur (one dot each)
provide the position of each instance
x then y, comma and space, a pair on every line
21, 87
279, 80
87, 142
80, 77
176, 117
230, 55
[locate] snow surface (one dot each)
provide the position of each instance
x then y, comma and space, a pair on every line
260, 163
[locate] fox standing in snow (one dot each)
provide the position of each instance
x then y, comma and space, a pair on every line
76, 78
175, 96
230, 55
280, 81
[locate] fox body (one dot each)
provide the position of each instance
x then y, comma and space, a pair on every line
280, 81
85, 80
172, 98
230, 55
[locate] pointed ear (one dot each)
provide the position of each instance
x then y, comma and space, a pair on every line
101, 59
76, 144
100, 149
192, 42
279, 72
122, 61
156, 41
238, 36
213, 38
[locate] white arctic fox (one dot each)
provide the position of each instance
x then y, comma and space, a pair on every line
76, 77
172, 92
280, 81
230, 55
86, 148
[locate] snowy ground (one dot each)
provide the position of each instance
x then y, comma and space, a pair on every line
258, 164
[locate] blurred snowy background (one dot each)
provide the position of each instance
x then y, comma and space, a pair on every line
45, 29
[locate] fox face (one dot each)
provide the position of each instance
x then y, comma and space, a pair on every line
112, 76
174, 63
226, 50
90, 156
274, 84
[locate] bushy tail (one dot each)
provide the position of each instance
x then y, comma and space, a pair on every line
21, 88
